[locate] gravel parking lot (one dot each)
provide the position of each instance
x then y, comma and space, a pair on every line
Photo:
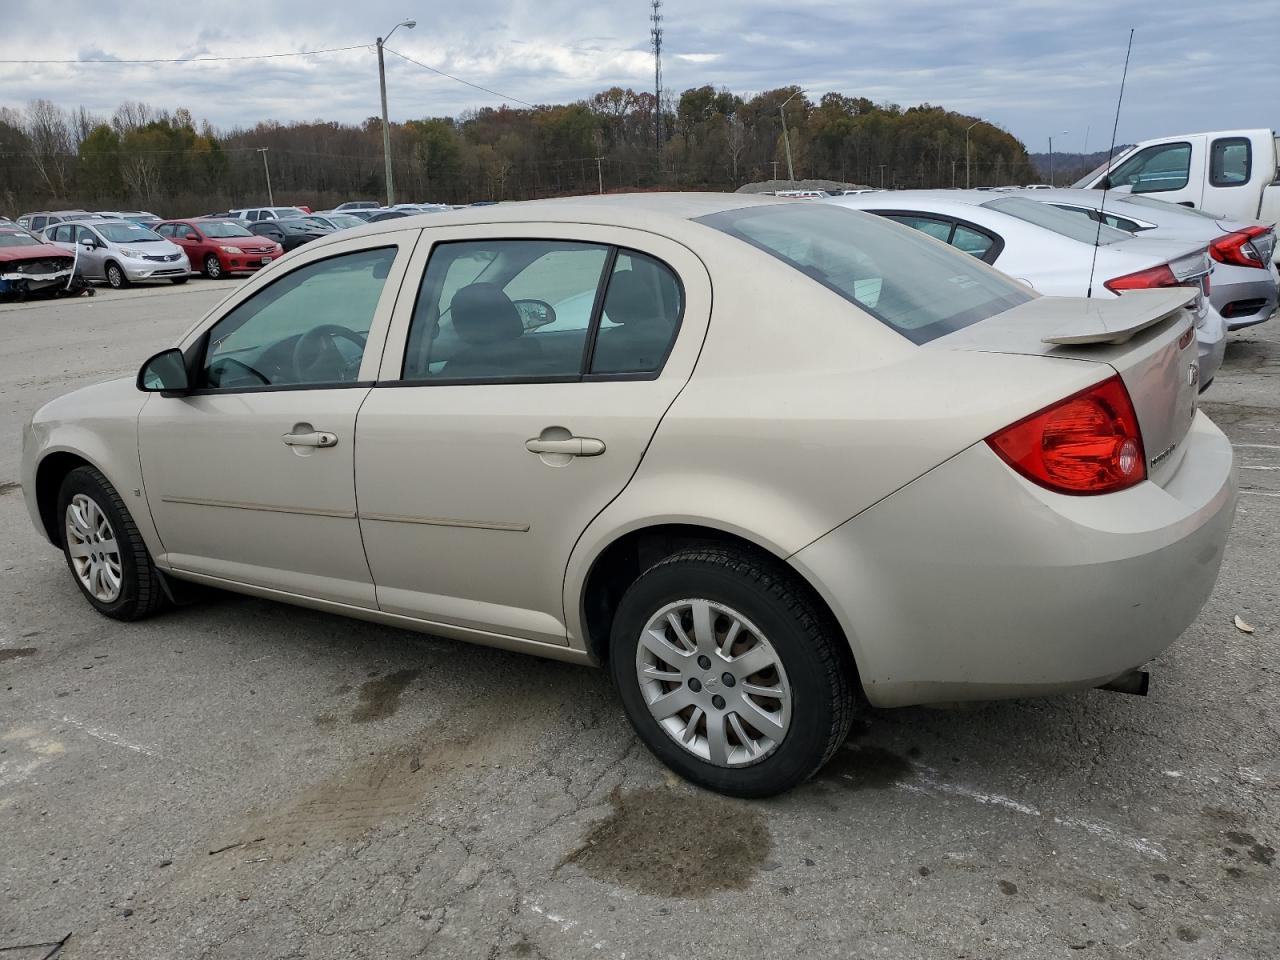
240, 779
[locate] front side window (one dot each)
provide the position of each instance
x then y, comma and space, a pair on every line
1166, 166
910, 284
309, 327
504, 309
61, 233
1230, 162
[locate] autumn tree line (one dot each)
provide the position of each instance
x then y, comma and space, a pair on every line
705, 139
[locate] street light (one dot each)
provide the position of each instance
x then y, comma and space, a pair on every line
1063, 134
786, 139
386, 125
967, 162
271, 200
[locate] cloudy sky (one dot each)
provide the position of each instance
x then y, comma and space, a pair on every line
1036, 67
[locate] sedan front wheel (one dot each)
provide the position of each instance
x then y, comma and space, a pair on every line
730, 672
104, 551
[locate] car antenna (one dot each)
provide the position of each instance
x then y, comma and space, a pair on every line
1106, 181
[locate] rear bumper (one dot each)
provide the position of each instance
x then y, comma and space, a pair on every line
1211, 346
974, 584
1245, 296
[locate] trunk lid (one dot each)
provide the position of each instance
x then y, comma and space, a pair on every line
1146, 336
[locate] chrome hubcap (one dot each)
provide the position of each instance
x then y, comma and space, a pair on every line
91, 542
713, 682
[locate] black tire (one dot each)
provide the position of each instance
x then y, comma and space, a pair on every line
116, 276
141, 592
178, 280
809, 644
213, 267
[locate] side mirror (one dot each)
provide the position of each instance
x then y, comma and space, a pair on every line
166, 372
88, 242
535, 313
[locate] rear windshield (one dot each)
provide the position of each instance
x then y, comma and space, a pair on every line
908, 282
1061, 222
1154, 204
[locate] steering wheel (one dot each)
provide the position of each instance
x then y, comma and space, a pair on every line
316, 357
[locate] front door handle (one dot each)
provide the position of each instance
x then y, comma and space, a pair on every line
315, 438
573, 446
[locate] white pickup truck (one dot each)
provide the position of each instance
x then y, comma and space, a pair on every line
1230, 173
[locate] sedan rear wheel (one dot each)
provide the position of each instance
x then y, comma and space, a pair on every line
104, 551
116, 277
212, 267
731, 672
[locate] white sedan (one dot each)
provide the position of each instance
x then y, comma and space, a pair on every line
1057, 252
770, 462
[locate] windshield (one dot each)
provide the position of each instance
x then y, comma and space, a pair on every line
222, 228
343, 221
908, 282
1061, 222
12, 238
126, 232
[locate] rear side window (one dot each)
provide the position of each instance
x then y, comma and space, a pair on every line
540, 310
910, 284
1230, 162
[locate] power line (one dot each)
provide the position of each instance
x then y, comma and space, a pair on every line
500, 96
255, 56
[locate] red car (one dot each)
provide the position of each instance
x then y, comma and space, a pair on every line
29, 266
219, 247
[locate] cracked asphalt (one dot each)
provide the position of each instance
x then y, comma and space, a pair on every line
240, 779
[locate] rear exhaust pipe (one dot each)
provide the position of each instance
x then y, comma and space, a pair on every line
1134, 682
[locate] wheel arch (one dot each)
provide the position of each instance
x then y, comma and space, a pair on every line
617, 565
50, 472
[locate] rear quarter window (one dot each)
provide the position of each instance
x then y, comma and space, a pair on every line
906, 281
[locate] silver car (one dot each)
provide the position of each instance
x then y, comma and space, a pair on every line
1057, 252
1245, 282
120, 252
767, 461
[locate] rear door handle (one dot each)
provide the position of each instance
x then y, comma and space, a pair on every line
573, 446
316, 438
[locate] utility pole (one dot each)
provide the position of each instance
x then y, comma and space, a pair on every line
600, 173
968, 161
775, 169
882, 166
386, 124
786, 139
655, 36
271, 200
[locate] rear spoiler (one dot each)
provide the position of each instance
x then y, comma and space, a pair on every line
1118, 321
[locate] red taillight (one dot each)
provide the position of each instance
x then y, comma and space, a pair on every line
1237, 248
1088, 443
1161, 276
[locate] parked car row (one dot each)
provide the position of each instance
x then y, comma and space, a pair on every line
1072, 243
